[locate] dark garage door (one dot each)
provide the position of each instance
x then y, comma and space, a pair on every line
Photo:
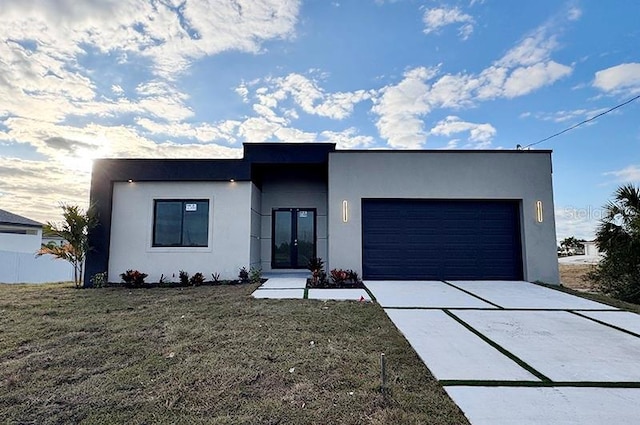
443, 239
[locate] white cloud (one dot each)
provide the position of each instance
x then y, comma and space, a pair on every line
630, 174
623, 78
533, 49
288, 134
567, 116
35, 188
524, 80
480, 135
243, 92
574, 13
224, 131
307, 94
172, 36
117, 90
43, 42
347, 139
400, 107
258, 129
578, 221
437, 18
523, 69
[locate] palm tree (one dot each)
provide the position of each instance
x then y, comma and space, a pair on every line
73, 230
618, 236
619, 229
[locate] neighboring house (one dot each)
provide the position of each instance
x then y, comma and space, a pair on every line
20, 239
590, 248
19, 234
51, 239
386, 214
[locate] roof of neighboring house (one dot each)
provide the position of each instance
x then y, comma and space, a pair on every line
17, 220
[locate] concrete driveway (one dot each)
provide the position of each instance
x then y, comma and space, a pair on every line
520, 353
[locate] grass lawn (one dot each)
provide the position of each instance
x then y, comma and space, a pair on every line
205, 355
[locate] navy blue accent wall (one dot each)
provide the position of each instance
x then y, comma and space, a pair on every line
288, 153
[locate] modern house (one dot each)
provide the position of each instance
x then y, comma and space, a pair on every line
389, 215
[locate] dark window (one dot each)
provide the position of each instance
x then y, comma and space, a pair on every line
181, 222
14, 231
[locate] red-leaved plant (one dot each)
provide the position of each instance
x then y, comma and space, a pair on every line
133, 278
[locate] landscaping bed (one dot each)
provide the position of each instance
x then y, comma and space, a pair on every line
332, 285
335, 279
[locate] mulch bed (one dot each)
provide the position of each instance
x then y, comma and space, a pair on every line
332, 285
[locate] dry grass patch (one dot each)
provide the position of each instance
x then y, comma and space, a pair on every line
205, 355
574, 276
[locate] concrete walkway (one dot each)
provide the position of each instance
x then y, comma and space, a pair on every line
503, 350
292, 286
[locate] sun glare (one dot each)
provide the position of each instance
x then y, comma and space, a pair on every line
82, 161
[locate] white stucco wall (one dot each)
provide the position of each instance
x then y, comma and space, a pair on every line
524, 176
28, 243
132, 230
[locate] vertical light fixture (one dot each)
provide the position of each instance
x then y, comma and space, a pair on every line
345, 211
539, 212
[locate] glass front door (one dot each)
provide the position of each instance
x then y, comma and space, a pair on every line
294, 238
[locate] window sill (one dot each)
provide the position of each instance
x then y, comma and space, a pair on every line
180, 249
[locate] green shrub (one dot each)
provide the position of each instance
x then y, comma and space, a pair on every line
243, 275
99, 280
616, 280
255, 275
318, 276
197, 279
183, 277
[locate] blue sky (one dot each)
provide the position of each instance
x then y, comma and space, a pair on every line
186, 78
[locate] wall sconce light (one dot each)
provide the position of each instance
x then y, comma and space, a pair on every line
539, 215
345, 211
130, 181
232, 180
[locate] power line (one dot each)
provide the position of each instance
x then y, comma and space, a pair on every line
581, 123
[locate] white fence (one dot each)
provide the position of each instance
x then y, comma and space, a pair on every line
21, 267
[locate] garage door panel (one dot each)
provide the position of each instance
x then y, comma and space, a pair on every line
437, 240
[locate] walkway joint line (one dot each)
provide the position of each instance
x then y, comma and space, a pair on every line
472, 294
498, 347
618, 328
537, 384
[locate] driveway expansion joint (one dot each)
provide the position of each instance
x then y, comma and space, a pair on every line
537, 384
498, 347
472, 294
577, 313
